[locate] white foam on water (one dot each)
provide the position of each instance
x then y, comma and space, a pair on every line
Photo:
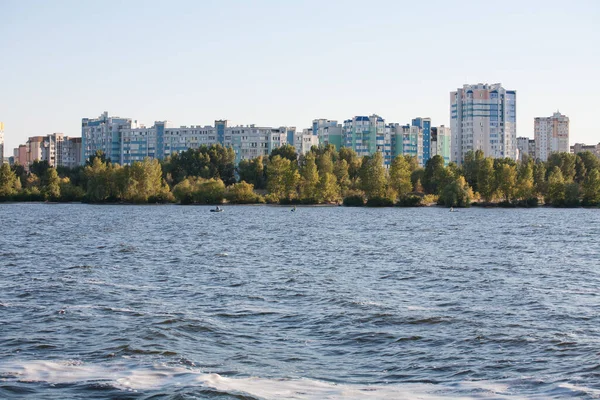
594, 393
126, 377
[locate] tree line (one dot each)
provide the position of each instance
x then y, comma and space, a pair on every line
322, 176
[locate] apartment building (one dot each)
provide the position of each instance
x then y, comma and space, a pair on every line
483, 117
551, 135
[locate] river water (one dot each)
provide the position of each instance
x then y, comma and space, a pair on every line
257, 302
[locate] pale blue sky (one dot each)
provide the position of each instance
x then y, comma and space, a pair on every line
284, 62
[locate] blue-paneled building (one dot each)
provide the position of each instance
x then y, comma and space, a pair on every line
425, 125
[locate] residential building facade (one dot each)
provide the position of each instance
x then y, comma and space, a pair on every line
525, 148
304, 141
328, 132
69, 155
58, 150
20, 155
580, 148
367, 135
441, 143
163, 140
35, 146
104, 134
425, 125
407, 140
483, 117
551, 135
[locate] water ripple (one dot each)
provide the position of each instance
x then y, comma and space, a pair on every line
137, 302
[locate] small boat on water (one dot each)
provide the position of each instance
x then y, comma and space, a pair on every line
217, 209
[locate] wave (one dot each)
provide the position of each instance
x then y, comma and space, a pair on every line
163, 377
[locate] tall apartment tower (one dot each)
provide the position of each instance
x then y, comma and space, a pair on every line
483, 117
551, 135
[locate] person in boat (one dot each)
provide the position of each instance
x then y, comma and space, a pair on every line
294, 209
451, 209
218, 208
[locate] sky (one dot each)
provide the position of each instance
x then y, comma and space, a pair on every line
287, 62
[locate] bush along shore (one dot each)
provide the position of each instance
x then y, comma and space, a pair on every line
322, 176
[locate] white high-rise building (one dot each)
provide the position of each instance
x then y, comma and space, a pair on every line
551, 135
483, 117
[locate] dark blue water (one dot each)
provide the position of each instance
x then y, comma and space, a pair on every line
152, 302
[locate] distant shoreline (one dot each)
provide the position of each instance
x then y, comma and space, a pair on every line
473, 205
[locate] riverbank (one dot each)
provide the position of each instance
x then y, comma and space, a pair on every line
482, 205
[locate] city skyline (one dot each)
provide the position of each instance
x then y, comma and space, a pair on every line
271, 64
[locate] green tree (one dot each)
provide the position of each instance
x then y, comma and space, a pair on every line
32, 181
434, 174
590, 161
70, 192
485, 178
282, 179
309, 179
456, 193
416, 177
99, 154
328, 189
413, 162
580, 169
506, 178
354, 162
209, 191
340, 170
242, 193
556, 187
98, 185
253, 172
400, 172
51, 189
325, 163
572, 192
591, 189
200, 191
20, 172
566, 162
206, 162
473, 162
9, 182
39, 168
144, 182
373, 176
539, 178
286, 151
525, 183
